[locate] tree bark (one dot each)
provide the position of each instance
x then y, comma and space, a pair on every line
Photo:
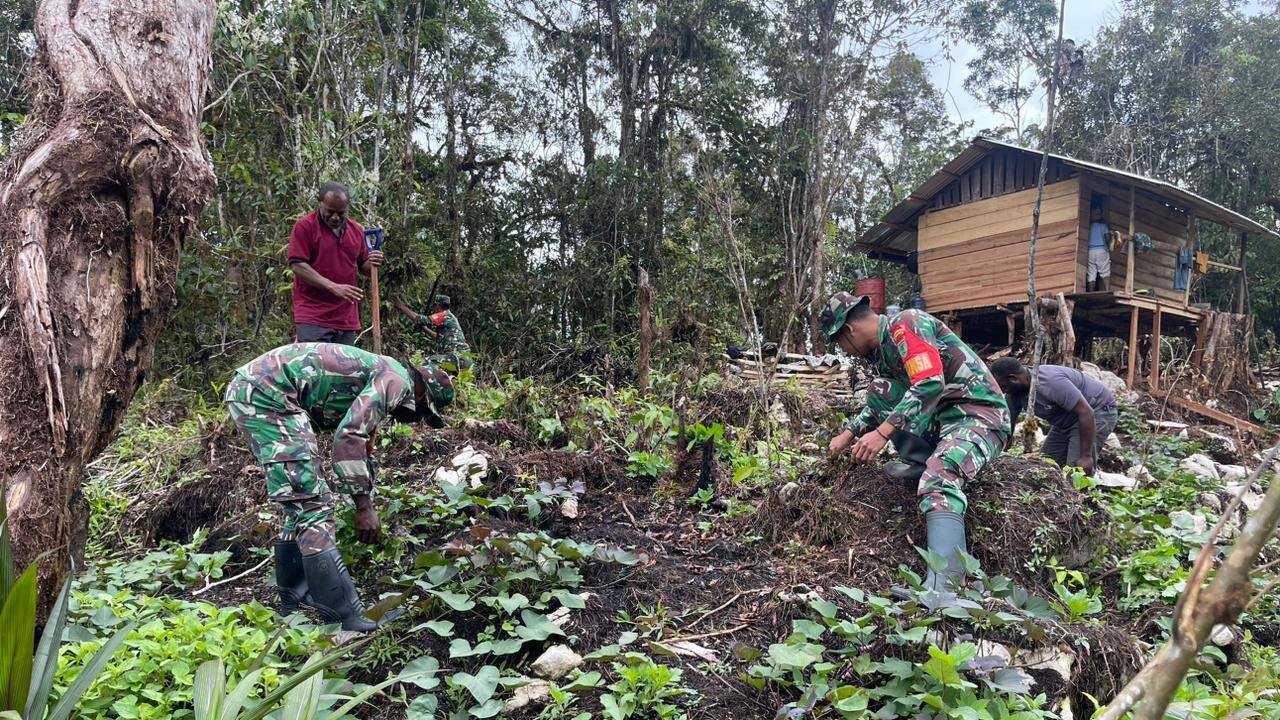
646, 332
105, 185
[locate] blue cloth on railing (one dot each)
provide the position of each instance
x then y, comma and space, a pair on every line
1182, 275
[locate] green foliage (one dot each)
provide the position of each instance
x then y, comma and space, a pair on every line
645, 689
26, 681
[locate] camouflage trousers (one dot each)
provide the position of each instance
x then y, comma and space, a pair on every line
967, 437
284, 444
452, 362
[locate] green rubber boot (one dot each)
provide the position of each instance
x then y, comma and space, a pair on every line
944, 535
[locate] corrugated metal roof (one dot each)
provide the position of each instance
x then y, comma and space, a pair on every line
896, 233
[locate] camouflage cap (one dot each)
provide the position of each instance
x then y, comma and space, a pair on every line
439, 393
837, 311
443, 300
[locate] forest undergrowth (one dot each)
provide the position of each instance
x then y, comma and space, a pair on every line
689, 547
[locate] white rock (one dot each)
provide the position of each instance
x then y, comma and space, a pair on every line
1114, 480
1140, 473
1046, 658
1185, 434
447, 476
779, 413
1113, 442
1222, 635
986, 648
1227, 443
1108, 379
1196, 521
556, 662
788, 491
810, 447
1251, 500
1233, 473
1200, 465
800, 594
535, 691
569, 507
1211, 501
1040, 436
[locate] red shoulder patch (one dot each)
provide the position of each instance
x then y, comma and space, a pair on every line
438, 318
921, 359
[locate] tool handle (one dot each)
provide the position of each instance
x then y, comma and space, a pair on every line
377, 312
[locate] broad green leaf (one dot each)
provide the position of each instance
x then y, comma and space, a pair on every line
421, 672
209, 690
482, 685
235, 701
795, 657
585, 681
825, 608
488, 709
943, 668
443, 628
1014, 681
457, 601
303, 702
461, 647
513, 603
18, 618
808, 629
45, 665
536, 626
423, 707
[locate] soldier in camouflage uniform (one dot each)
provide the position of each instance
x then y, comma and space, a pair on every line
935, 399
450, 350
279, 401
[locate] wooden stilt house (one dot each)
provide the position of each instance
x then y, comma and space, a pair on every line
967, 230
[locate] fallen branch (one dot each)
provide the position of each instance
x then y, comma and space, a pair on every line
209, 586
703, 636
1202, 608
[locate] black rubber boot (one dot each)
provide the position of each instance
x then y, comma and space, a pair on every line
332, 593
291, 579
913, 452
944, 535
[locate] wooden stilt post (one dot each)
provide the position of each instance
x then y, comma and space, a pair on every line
1242, 296
1132, 253
1133, 347
1202, 331
1154, 380
1191, 245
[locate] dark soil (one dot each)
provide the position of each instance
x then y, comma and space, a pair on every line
720, 582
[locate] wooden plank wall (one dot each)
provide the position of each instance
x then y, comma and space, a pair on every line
975, 255
1001, 172
1166, 226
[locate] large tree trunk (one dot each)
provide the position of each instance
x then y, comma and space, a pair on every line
95, 203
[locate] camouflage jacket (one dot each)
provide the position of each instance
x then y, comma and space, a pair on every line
918, 351
340, 387
449, 337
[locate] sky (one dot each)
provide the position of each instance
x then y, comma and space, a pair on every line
1082, 21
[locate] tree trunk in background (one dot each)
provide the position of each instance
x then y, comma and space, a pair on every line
95, 204
646, 332
1225, 361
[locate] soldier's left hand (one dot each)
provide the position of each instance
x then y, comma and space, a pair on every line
368, 527
868, 447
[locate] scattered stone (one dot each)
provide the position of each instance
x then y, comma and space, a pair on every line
556, 662
1211, 501
1047, 658
1222, 636
810, 447
1114, 480
569, 507
779, 413
1233, 473
533, 692
1220, 447
1252, 499
1141, 474
800, 594
1113, 442
1196, 522
789, 491
986, 648
471, 464
1200, 465
1109, 379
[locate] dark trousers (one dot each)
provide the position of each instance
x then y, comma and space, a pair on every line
314, 333
1063, 444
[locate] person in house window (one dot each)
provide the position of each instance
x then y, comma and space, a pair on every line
1098, 272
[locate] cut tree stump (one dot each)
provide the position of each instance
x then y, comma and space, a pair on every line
106, 182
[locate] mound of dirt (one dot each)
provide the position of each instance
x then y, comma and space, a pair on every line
1021, 513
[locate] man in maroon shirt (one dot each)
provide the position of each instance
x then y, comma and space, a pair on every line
325, 250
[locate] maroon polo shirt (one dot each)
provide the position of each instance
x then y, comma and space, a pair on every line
337, 259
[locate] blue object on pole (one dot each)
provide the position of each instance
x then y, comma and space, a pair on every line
373, 238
